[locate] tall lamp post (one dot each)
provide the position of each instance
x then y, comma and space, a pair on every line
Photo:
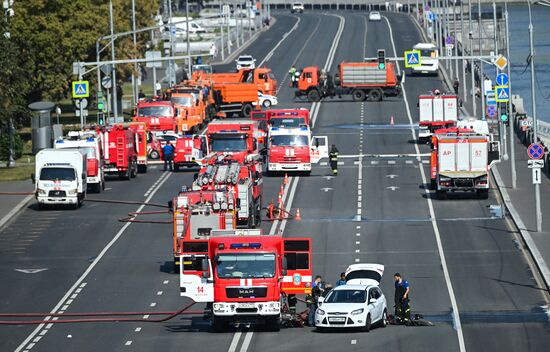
8, 13
534, 103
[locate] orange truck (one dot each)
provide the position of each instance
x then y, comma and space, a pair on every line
239, 98
262, 77
190, 112
361, 80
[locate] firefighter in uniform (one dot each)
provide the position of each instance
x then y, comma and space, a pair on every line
401, 299
292, 74
333, 156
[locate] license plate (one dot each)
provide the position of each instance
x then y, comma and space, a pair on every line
337, 320
246, 305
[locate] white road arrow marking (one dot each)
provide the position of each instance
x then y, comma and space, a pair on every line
326, 189
391, 176
31, 271
329, 177
393, 188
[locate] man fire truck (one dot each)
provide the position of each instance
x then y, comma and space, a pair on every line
90, 142
460, 161
436, 111
244, 178
294, 149
196, 214
243, 275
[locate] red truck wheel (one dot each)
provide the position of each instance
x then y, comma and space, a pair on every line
314, 96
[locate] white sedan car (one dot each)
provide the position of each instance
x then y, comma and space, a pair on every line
267, 101
359, 303
375, 16
245, 61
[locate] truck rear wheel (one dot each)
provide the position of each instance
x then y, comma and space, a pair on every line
154, 154
375, 95
96, 187
358, 95
314, 96
246, 110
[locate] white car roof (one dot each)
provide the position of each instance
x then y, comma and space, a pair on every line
425, 46
351, 287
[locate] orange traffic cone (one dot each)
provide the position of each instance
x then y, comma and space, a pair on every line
298, 216
391, 120
286, 179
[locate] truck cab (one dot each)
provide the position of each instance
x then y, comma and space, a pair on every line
237, 137
158, 115
189, 111
244, 275
263, 77
60, 177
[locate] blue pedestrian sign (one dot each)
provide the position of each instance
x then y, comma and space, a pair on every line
502, 79
502, 94
535, 151
81, 89
412, 58
432, 16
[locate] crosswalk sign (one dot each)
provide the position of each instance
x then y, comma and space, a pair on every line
81, 89
502, 94
412, 58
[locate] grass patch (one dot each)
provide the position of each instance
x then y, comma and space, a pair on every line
18, 173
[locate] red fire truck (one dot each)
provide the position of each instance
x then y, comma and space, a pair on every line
237, 137
243, 275
222, 172
190, 150
159, 115
120, 148
140, 129
196, 214
282, 117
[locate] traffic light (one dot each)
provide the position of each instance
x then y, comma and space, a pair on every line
100, 119
381, 59
504, 113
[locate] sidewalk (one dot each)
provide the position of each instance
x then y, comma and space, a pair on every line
520, 202
11, 204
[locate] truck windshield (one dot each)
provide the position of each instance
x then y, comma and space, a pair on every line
245, 265
289, 141
290, 122
183, 101
57, 174
157, 111
235, 142
346, 296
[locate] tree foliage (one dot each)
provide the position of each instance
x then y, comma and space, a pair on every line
47, 36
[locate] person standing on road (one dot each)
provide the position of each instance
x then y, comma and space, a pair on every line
401, 299
168, 155
292, 74
333, 156
316, 291
456, 84
342, 280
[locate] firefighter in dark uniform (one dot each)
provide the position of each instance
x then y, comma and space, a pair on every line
333, 156
401, 300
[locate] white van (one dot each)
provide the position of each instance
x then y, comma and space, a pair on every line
60, 177
429, 64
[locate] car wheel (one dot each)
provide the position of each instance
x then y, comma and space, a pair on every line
267, 103
384, 320
366, 328
154, 154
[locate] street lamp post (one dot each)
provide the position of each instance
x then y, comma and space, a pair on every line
8, 12
470, 36
115, 97
187, 38
134, 81
510, 112
481, 78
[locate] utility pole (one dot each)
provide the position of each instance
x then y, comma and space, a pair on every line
510, 112
134, 82
220, 20
481, 78
172, 71
462, 36
8, 12
228, 31
472, 67
187, 35
115, 93
534, 107
455, 40
501, 126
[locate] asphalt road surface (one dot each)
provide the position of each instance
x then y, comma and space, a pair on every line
467, 271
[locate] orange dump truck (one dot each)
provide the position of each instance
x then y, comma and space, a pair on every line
262, 77
240, 98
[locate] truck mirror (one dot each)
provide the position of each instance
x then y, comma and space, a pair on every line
33, 178
238, 203
204, 265
316, 143
171, 205
205, 275
285, 265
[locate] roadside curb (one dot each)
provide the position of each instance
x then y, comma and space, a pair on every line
246, 44
526, 235
15, 210
516, 218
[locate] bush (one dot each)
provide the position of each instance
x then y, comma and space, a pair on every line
5, 146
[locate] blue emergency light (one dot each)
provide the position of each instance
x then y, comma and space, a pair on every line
90, 139
245, 245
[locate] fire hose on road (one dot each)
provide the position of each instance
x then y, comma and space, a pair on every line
112, 317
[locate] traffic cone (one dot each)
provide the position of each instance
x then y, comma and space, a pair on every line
282, 191
391, 120
298, 216
286, 179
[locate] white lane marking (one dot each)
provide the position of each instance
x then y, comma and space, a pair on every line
358, 234
79, 284
165, 282
246, 342
235, 342
31, 346
357, 250
289, 204
159, 293
37, 339
353, 342
128, 343
146, 316
268, 56
357, 260
43, 332
391, 162
15, 210
154, 304
138, 329
164, 174
456, 315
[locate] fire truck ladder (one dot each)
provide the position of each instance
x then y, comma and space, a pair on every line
120, 151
